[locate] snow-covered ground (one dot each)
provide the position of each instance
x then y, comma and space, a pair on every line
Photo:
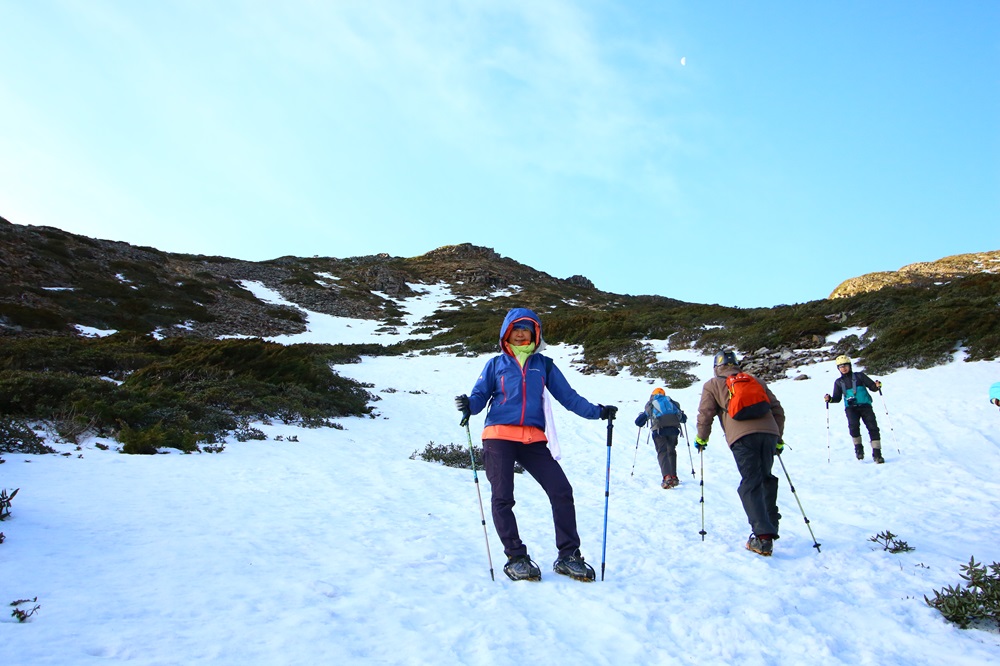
340, 549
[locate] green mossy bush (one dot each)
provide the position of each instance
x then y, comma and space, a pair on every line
450, 455
148, 441
175, 392
906, 326
453, 455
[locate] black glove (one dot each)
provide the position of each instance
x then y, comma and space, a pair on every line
608, 412
641, 419
462, 404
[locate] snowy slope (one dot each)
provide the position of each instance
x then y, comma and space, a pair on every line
340, 549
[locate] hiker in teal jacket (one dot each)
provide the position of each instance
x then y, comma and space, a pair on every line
853, 387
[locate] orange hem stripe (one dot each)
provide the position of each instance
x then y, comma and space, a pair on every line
513, 433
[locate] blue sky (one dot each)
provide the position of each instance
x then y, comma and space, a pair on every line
797, 145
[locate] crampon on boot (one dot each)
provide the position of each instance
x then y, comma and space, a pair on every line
760, 546
574, 567
520, 567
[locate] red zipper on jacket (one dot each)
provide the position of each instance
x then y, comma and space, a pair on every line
524, 388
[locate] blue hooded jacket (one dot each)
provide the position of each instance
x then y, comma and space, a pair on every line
513, 393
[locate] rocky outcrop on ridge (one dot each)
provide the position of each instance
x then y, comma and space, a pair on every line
923, 273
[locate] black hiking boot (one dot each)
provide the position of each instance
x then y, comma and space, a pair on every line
859, 451
574, 567
877, 456
520, 567
760, 546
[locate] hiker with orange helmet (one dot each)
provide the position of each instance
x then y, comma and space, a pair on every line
853, 388
664, 416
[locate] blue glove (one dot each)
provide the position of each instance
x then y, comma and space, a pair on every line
684, 417
641, 419
700, 444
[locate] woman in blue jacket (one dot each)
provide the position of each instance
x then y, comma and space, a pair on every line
512, 388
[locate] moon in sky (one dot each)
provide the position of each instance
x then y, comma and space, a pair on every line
683, 61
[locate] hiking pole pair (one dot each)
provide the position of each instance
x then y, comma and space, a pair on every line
792, 486
482, 515
891, 429
638, 435
688, 440
607, 490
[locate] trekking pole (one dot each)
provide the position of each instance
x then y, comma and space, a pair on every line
637, 436
828, 432
607, 493
792, 486
482, 516
701, 458
690, 457
891, 429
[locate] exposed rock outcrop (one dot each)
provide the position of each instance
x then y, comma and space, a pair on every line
923, 273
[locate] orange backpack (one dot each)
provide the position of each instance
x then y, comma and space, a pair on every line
747, 398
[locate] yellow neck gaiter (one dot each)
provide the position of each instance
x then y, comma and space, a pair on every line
522, 352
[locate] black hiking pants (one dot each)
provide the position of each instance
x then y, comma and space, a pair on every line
758, 489
862, 413
499, 456
665, 441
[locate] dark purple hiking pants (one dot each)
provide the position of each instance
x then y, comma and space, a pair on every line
499, 456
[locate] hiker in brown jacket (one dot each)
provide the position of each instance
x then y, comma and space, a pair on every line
754, 443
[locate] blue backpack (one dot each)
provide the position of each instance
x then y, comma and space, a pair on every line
665, 412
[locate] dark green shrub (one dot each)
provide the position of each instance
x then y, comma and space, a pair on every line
674, 374
978, 600
889, 542
148, 441
16, 437
21, 614
197, 387
449, 455
5, 502
453, 455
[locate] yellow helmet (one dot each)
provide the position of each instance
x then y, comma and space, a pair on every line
843, 360
659, 391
